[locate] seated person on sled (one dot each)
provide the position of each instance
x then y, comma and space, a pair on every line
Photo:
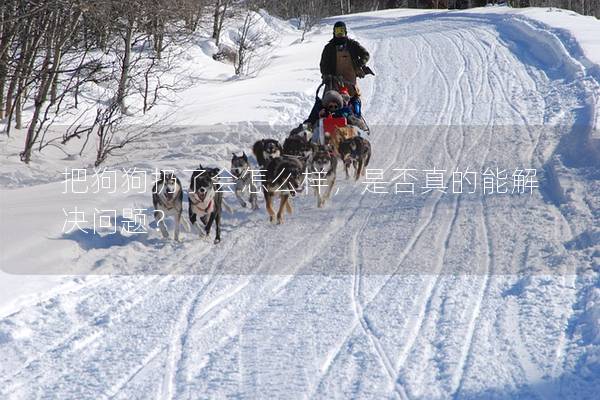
334, 113
335, 104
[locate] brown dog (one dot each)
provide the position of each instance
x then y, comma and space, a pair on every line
339, 135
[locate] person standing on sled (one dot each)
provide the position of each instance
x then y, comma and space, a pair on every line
345, 58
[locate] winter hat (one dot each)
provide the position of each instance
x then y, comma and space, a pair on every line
345, 94
331, 96
340, 27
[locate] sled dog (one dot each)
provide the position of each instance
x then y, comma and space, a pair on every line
355, 152
283, 177
323, 173
265, 150
205, 201
297, 145
242, 173
167, 199
339, 135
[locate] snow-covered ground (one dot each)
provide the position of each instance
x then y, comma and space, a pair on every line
426, 296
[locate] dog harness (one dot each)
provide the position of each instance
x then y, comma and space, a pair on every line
200, 204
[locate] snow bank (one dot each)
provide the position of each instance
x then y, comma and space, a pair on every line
565, 32
590, 321
578, 32
579, 35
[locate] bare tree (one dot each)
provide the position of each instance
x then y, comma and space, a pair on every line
60, 30
51, 49
219, 14
251, 40
106, 127
310, 15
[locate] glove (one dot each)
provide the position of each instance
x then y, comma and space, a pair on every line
368, 71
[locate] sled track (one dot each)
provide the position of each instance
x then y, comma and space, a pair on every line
457, 380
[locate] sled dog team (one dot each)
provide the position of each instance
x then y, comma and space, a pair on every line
332, 126
285, 168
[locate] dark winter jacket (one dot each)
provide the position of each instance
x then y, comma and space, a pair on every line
360, 55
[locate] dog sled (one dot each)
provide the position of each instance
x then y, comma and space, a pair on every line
315, 128
333, 129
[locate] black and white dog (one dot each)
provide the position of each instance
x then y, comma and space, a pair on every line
167, 199
355, 152
323, 173
205, 201
266, 150
298, 145
284, 177
242, 172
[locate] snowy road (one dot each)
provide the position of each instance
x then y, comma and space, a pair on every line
425, 296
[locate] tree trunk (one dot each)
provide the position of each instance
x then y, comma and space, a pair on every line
55, 64
121, 91
3, 72
40, 99
59, 48
12, 86
217, 13
221, 21
18, 110
29, 45
6, 35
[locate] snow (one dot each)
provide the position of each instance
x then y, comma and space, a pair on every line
579, 33
374, 296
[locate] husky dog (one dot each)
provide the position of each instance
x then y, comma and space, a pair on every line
205, 201
265, 150
241, 171
323, 168
298, 146
167, 199
283, 178
355, 152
